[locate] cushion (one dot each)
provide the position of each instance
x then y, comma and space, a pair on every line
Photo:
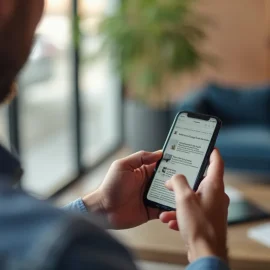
239, 105
246, 148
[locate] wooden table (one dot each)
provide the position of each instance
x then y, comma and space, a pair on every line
155, 242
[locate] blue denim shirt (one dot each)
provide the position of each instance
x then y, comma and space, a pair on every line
36, 236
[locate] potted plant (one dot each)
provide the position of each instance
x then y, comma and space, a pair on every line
150, 40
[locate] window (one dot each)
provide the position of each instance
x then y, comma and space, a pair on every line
46, 106
100, 87
59, 137
4, 136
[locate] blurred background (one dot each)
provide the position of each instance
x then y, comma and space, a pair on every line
79, 105
73, 112
67, 117
106, 78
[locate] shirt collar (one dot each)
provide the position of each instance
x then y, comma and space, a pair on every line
10, 166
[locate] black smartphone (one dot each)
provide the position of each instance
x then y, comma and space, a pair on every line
186, 151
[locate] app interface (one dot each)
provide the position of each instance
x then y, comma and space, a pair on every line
184, 154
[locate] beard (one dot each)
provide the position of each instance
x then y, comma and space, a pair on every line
8, 91
10, 65
11, 62
17, 33
7, 96
8, 74
14, 52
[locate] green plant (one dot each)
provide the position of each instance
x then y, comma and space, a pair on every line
150, 39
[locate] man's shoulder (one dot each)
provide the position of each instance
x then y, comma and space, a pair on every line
35, 233
25, 224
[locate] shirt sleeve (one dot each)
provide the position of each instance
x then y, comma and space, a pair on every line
79, 207
208, 263
76, 206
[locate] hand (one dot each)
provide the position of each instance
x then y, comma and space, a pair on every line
202, 215
120, 196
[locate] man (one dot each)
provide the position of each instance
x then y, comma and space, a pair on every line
34, 235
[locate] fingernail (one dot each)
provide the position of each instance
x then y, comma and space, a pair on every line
167, 182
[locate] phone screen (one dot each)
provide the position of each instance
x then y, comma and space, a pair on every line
184, 154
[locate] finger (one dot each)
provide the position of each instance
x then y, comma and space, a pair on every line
227, 200
182, 190
141, 158
165, 217
216, 168
173, 225
168, 185
178, 184
150, 170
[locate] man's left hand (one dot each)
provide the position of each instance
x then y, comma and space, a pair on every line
120, 196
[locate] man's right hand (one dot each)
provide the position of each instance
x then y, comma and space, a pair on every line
201, 216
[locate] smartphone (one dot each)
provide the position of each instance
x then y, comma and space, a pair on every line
186, 151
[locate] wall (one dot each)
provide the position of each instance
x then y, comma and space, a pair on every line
239, 37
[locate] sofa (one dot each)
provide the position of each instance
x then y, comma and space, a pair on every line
244, 139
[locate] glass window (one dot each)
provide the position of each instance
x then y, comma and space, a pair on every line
100, 87
4, 135
46, 111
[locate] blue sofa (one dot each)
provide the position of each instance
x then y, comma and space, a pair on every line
244, 140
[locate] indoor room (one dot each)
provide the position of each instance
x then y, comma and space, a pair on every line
107, 78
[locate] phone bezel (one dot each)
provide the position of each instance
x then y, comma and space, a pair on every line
204, 163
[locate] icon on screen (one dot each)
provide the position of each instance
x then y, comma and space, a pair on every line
167, 157
173, 144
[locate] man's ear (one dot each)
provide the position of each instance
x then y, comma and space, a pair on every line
6, 9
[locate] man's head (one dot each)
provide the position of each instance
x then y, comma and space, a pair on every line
18, 21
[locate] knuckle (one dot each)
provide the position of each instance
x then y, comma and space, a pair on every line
227, 199
186, 197
117, 163
142, 153
177, 177
217, 186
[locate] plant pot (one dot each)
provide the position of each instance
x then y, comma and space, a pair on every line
145, 128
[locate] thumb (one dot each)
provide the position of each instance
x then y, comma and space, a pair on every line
141, 158
180, 186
